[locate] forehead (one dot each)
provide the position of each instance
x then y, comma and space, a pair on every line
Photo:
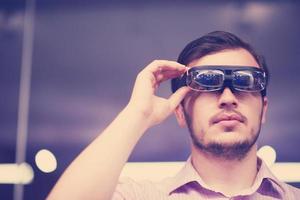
240, 57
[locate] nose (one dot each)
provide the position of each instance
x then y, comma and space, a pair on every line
227, 99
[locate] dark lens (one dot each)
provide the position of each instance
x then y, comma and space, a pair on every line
243, 79
208, 80
248, 80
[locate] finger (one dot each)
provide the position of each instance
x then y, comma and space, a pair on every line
162, 65
162, 70
166, 75
178, 96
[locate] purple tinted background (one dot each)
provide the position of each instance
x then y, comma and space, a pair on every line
87, 54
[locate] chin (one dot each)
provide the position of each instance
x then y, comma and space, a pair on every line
228, 142
228, 150
232, 136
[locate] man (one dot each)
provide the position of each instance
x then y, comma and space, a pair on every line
219, 85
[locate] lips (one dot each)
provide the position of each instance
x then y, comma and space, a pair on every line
228, 118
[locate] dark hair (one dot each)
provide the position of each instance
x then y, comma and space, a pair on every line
212, 43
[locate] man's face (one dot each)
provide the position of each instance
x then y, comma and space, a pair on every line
224, 123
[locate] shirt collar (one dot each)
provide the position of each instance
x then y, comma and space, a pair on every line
264, 174
265, 180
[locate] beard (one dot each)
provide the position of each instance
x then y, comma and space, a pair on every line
228, 151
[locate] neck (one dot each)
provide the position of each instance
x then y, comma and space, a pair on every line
226, 176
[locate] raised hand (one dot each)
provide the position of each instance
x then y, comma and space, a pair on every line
144, 101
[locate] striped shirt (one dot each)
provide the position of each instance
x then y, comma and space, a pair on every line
188, 185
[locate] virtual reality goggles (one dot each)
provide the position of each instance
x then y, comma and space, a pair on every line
215, 78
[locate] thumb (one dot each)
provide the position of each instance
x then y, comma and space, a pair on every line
178, 96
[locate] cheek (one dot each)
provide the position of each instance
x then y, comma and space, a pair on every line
254, 112
201, 112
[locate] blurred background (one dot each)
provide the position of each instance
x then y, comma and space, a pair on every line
82, 57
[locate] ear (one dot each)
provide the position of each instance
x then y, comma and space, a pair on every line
264, 111
179, 113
